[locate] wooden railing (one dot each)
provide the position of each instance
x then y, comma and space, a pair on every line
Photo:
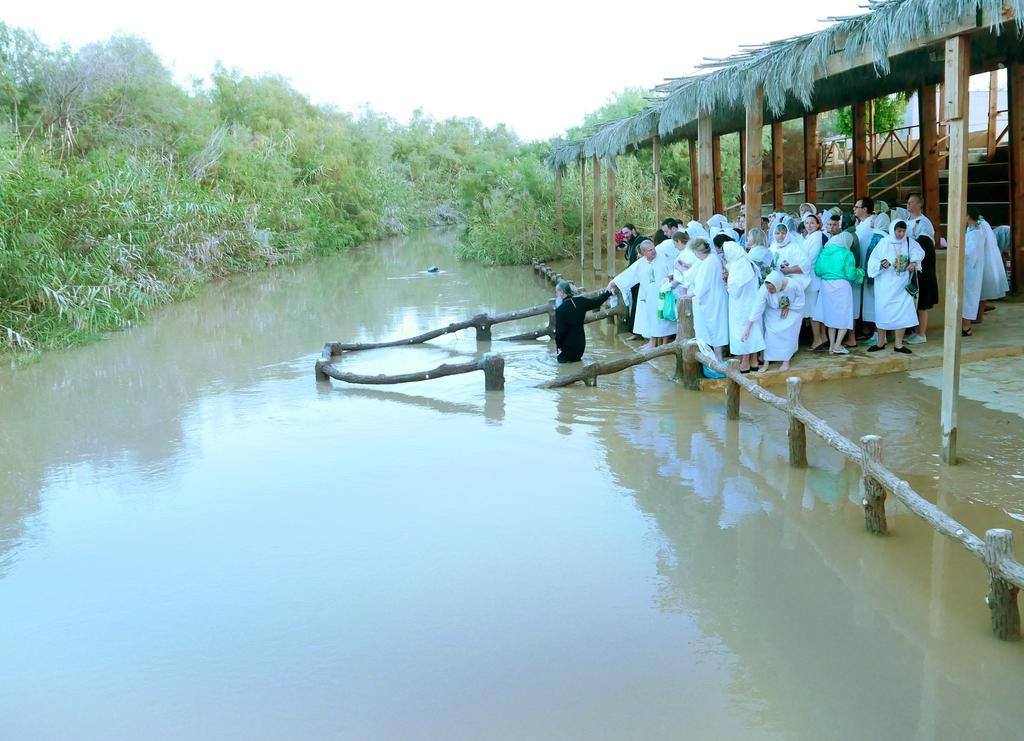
996, 551
492, 365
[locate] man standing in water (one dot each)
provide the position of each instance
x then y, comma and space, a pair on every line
570, 316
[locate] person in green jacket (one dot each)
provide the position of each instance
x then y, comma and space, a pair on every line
838, 270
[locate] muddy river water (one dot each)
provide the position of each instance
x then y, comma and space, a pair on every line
198, 541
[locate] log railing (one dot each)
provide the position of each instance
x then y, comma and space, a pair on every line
1006, 574
492, 364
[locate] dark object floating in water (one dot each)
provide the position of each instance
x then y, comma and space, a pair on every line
433, 269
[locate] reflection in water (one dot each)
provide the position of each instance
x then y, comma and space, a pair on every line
198, 540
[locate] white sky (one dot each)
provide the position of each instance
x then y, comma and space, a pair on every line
536, 66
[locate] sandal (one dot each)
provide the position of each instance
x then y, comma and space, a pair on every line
904, 350
819, 348
966, 332
876, 348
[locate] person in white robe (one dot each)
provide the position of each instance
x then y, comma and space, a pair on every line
790, 258
892, 264
814, 241
742, 285
993, 281
807, 208
974, 250
684, 265
717, 222
879, 233
647, 273
710, 298
759, 254
780, 304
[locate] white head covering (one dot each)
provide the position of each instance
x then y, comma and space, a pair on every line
741, 271
718, 222
696, 229
789, 236
776, 278
843, 239
883, 223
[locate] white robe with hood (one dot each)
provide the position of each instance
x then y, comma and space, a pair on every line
710, 302
974, 251
781, 334
649, 276
742, 286
894, 307
993, 281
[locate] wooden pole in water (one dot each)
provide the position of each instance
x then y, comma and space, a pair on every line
993, 114
755, 158
694, 182
716, 166
596, 167
811, 158
1002, 595
493, 366
874, 492
1015, 79
860, 151
583, 210
732, 392
778, 186
797, 429
656, 168
957, 78
559, 211
610, 243
929, 138
690, 365
705, 168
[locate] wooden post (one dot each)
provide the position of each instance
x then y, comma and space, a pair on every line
691, 366
755, 161
874, 493
957, 78
694, 181
928, 135
778, 201
319, 372
872, 154
797, 430
716, 167
656, 167
743, 163
1015, 78
610, 244
1002, 595
559, 212
944, 147
705, 168
583, 210
993, 113
493, 366
732, 392
860, 151
483, 332
596, 167
811, 158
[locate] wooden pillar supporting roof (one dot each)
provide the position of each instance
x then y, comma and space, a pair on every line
705, 168
716, 166
993, 114
860, 151
656, 151
583, 209
754, 164
611, 227
777, 165
596, 165
694, 180
929, 138
957, 97
811, 158
1015, 78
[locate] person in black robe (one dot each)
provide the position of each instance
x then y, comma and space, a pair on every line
570, 315
634, 240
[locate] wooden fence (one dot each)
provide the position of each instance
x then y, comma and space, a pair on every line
996, 551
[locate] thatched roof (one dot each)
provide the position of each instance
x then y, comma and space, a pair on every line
849, 61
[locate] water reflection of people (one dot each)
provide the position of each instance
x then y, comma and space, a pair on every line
570, 316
